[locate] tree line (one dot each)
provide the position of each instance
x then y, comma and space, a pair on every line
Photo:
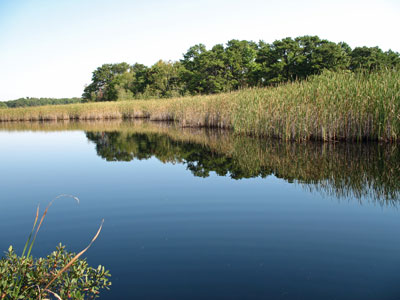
28, 101
236, 65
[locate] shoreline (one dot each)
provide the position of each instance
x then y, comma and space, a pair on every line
119, 124
330, 107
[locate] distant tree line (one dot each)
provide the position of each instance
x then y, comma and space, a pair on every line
22, 102
236, 65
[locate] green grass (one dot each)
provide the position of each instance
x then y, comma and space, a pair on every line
331, 106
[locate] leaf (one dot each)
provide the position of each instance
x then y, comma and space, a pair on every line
76, 257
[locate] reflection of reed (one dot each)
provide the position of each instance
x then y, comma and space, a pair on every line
338, 169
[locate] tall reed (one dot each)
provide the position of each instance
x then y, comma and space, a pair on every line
332, 106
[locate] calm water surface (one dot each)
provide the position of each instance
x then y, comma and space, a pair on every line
200, 214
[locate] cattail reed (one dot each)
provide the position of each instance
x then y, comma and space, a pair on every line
332, 106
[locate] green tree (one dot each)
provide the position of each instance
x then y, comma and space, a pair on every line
120, 86
191, 63
298, 58
392, 59
240, 60
164, 80
369, 58
215, 75
141, 80
205, 70
278, 61
24, 102
101, 89
238, 64
317, 55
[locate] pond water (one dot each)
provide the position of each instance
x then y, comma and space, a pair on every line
205, 214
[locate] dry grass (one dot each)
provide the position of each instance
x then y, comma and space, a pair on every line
331, 106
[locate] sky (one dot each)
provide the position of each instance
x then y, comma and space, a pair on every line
50, 48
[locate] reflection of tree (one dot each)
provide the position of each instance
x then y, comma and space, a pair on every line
358, 170
114, 146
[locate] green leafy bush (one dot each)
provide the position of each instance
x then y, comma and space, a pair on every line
62, 274
26, 278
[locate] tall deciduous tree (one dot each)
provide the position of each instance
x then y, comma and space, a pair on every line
100, 88
164, 80
241, 63
367, 58
236, 65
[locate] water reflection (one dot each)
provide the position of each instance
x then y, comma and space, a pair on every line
361, 171
232, 236
343, 170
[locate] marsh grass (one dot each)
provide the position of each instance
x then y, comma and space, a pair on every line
332, 106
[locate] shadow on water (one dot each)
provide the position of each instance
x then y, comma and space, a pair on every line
367, 172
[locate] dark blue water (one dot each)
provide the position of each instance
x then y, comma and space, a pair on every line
169, 234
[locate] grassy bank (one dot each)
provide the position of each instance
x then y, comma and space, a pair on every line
331, 106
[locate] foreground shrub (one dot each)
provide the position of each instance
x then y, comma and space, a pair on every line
61, 274
27, 278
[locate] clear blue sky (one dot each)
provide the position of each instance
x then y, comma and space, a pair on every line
50, 48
